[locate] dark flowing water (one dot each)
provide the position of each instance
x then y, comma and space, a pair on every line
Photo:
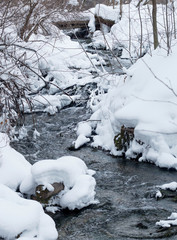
125, 188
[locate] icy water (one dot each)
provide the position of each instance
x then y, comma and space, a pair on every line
125, 188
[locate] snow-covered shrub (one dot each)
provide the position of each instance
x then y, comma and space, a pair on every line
35, 56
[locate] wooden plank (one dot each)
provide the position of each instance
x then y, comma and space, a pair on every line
79, 23
71, 24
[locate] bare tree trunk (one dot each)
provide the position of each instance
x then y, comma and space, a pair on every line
120, 10
141, 26
167, 28
154, 23
174, 20
129, 28
113, 3
25, 26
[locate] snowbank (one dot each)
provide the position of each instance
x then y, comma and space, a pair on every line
131, 32
13, 166
79, 185
171, 186
145, 100
23, 218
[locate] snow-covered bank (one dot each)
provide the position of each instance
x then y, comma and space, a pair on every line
26, 219
23, 219
13, 166
133, 30
144, 99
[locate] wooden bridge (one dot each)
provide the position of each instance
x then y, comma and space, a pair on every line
80, 21
71, 24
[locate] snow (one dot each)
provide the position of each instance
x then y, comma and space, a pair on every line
131, 32
74, 2
144, 99
172, 221
13, 166
84, 131
158, 195
81, 195
80, 141
107, 12
52, 65
79, 184
22, 132
84, 128
35, 134
31, 220
51, 103
171, 186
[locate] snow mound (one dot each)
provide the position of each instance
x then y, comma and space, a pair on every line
50, 103
13, 166
80, 141
81, 195
72, 172
23, 218
84, 131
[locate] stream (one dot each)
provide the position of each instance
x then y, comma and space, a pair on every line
125, 189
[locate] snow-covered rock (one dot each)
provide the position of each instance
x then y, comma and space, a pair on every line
79, 185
